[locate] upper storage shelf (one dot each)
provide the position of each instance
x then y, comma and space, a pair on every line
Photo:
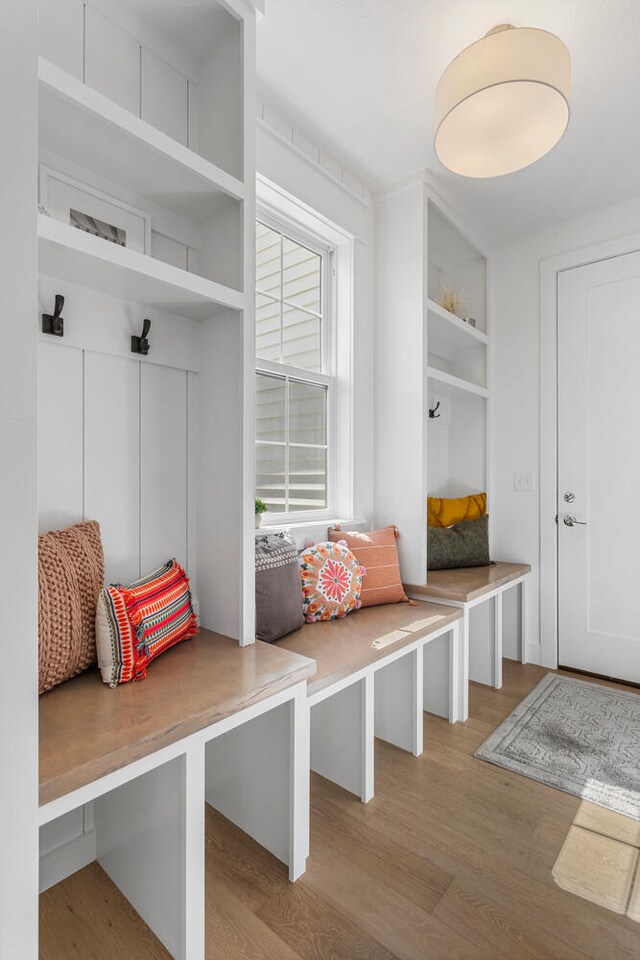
178, 67
85, 126
449, 385
456, 267
77, 257
447, 333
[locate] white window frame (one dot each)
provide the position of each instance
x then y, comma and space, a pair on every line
327, 376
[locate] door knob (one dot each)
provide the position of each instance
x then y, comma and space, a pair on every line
569, 497
570, 521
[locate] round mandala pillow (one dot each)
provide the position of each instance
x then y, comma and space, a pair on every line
331, 581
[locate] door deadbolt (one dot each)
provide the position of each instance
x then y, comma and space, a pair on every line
569, 497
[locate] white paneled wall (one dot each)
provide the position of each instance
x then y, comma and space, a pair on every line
111, 413
60, 437
164, 96
112, 60
113, 435
163, 464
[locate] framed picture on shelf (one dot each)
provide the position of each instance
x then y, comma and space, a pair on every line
91, 211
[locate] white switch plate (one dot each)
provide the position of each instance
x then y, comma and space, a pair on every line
523, 482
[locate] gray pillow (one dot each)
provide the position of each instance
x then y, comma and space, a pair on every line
465, 544
278, 587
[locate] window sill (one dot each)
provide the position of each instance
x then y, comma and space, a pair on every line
304, 525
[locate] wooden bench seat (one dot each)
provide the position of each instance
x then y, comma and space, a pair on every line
468, 583
468, 587
343, 647
360, 692
88, 730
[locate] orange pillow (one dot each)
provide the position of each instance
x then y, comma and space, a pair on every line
376, 551
445, 511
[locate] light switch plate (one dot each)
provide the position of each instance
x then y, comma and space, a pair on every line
523, 482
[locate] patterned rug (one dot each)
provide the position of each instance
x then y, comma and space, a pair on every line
581, 737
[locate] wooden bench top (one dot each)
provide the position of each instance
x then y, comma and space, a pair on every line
342, 647
88, 729
468, 583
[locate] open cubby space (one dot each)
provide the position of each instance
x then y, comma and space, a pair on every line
105, 925
456, 349
122, 440
454, 264
121, 188
179, 67
456, 443
134, 861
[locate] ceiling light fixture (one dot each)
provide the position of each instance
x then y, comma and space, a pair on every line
503, 102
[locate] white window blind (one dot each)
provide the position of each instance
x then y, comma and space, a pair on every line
293, 384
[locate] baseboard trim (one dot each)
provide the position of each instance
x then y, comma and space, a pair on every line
62, 861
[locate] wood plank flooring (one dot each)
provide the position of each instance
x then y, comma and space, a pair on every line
451, 860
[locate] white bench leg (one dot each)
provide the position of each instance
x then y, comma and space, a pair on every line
524, 631
464, 671
368, 753
458, 686
497, 640
399, 702
194, 855
299, 799
342, 738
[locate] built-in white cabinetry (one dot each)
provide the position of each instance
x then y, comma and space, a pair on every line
431, 363
146, 182
145, 189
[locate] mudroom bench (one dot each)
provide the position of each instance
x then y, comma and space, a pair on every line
466, 589
212, 722
375, 678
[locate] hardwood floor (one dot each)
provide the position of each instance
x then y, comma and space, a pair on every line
451, 860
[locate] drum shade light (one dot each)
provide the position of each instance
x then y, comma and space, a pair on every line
503, 102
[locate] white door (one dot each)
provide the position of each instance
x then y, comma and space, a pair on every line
599, 467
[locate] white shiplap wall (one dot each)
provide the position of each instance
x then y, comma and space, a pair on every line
113, 430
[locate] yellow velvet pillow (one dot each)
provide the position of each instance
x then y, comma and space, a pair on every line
445, 511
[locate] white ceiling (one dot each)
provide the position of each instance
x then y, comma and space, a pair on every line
361, 75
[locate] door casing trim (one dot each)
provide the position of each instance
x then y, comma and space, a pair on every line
550, 268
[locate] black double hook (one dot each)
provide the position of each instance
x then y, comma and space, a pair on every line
141, 344
433, 414
53, 323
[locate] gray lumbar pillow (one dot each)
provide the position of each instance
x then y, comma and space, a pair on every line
278, 587
465, 544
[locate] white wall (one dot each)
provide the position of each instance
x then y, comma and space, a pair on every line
289, 158
515, 428
18, 520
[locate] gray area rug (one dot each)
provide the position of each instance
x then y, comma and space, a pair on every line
581, 737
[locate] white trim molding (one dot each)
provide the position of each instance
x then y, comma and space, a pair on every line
278, 125
549, 270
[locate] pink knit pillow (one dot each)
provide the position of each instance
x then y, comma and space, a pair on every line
70, 574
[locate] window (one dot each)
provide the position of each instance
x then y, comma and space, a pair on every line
294, 382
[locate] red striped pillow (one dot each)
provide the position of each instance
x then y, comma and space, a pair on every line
136, 623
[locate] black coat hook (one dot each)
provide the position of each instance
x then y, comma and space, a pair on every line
433, 414
141, 344
53, 323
